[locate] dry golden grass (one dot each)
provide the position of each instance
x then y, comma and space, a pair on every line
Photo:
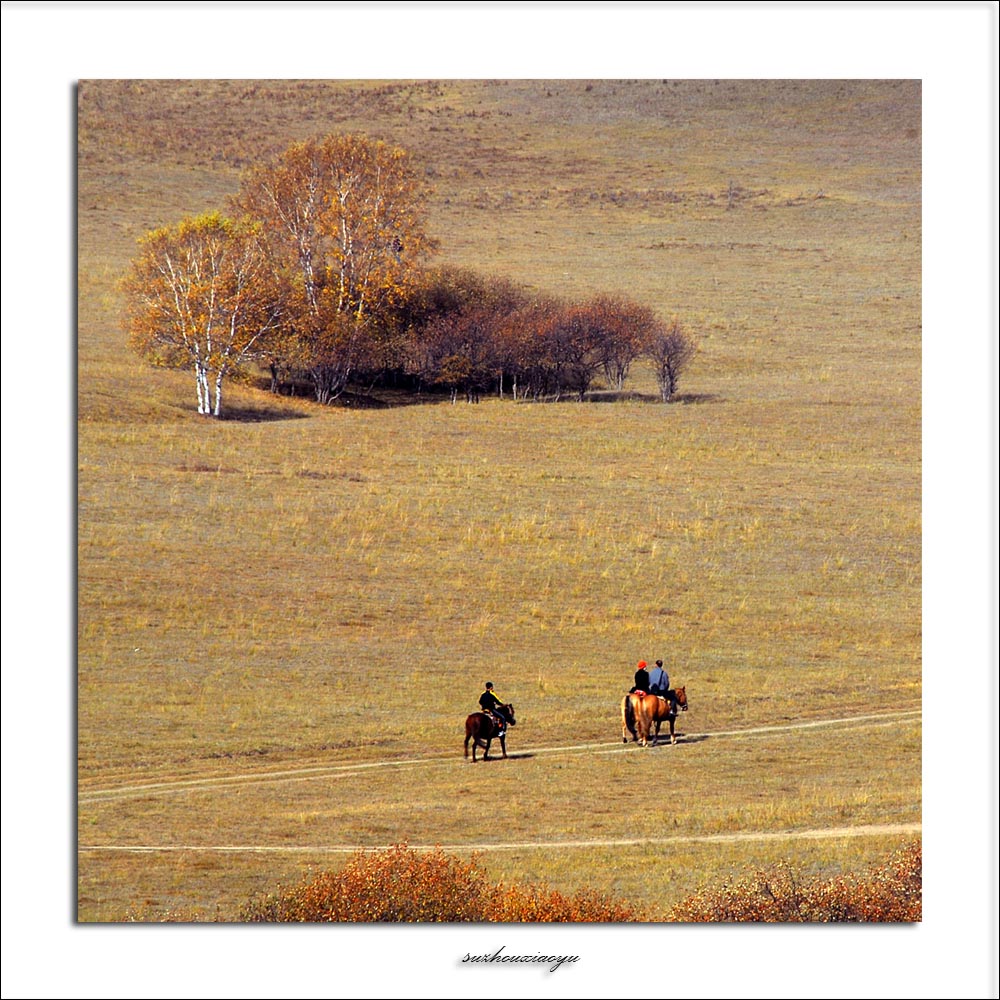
301, 585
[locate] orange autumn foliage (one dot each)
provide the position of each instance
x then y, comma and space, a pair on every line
888, 893
401, 884
404, 885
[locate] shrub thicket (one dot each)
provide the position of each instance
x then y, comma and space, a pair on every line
404, 885
472, 334
889, 893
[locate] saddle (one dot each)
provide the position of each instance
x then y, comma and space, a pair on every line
671, 702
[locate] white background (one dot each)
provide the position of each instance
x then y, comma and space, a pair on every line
951, 47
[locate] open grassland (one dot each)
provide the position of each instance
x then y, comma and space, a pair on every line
650, 827
303, 586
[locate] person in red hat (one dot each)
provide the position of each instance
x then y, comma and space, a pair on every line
641, 679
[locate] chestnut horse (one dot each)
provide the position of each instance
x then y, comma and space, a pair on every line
482, 729
640, 712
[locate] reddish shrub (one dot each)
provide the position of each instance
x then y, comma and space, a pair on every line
536, 905
404, 885
890, 893
394, 885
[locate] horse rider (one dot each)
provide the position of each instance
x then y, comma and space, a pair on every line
641, 679
659, 680
493, 706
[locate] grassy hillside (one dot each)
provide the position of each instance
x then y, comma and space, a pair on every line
305, 586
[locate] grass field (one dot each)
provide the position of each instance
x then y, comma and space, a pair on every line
302, 588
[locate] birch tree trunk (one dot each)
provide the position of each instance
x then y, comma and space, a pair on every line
204, 394
217, 408
202, 406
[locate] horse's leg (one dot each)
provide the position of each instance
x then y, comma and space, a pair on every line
656, 733
486, 752
467, 736
673, 738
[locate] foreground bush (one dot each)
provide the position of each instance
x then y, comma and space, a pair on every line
890, 893
403, 885
533, 904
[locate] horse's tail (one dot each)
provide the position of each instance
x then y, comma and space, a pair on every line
628, 719
640, 719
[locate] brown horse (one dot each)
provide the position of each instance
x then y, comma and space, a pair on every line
641, 711
482, 729
655, 710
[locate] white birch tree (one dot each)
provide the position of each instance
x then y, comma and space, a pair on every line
201, 295
343, 219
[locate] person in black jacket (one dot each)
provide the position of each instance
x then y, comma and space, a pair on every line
641, 679
492, 705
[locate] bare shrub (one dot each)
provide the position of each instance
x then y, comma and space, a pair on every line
671, 349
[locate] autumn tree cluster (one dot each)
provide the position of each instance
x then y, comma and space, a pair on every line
319, 275
472, 334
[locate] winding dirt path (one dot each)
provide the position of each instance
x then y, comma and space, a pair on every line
179, 785
222, 783
830, 833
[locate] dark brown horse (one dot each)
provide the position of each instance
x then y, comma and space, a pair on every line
482, 729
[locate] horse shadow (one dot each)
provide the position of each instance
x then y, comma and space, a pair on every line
510, 756
683, 738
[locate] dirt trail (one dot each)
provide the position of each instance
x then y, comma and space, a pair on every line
176, 785
830, 833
